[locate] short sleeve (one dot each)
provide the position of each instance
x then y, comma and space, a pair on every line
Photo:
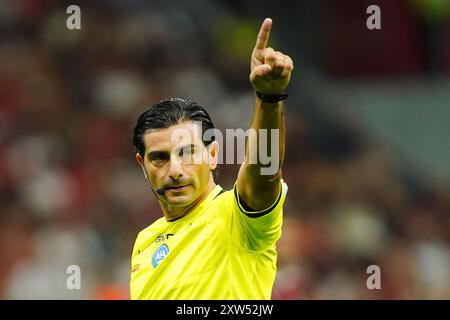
260, 229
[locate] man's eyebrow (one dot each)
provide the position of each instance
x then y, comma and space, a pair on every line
158, 153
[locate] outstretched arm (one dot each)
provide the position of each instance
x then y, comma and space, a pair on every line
270, 72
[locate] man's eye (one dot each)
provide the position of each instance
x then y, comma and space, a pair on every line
158, 158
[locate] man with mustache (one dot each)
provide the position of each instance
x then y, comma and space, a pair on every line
211, 243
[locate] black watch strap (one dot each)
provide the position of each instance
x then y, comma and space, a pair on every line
271, 98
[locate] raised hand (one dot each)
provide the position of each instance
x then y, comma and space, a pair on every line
270, 70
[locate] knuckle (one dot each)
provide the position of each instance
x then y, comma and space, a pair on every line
270, 57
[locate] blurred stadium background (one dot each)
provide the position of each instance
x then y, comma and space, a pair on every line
368, 154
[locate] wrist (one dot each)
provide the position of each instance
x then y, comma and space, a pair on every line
272, 97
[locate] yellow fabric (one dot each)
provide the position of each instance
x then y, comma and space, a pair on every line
214, 252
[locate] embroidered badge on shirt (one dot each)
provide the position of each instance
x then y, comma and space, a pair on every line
159, 254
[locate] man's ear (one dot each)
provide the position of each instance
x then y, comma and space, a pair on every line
139, 159
213, 154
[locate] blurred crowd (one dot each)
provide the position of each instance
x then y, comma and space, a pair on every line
72, 194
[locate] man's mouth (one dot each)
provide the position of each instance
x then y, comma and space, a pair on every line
177, 188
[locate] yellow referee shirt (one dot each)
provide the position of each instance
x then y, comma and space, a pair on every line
217, 251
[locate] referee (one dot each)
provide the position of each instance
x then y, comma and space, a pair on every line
211, 243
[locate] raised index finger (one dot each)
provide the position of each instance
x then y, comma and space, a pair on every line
263, 35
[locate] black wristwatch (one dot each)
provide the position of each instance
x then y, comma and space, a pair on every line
271, 98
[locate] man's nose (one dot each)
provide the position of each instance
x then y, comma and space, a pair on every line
176, 169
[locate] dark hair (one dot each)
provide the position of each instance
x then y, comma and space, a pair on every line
167, 113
